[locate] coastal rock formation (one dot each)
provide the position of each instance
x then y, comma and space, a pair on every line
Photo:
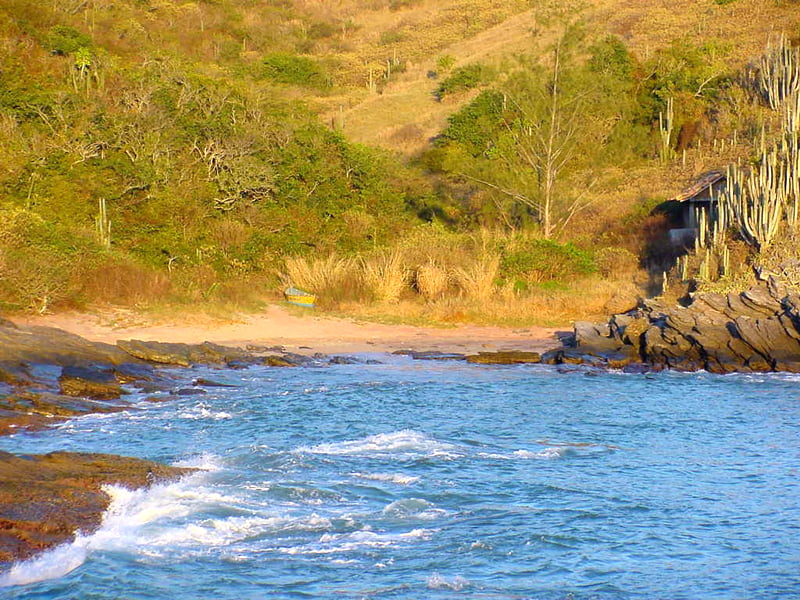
48, 375
752, 331
46, 499
184, 355
505, 358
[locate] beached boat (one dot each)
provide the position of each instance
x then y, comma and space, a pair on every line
299, 297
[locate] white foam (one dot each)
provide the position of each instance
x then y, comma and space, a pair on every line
413, 508
398, 444
395, 478
438, 582
49, 565
547, 453
201, 412
204, 462
133, 520
364, 539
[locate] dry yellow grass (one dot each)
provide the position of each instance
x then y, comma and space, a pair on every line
431, 31
385, 276
432, 280
318, 275
591, 299
477, 281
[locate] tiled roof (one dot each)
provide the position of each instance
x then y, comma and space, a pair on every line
705, 181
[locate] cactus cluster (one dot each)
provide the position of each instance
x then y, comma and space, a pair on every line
777, 74
760, 197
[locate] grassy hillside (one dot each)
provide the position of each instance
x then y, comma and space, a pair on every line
161, 150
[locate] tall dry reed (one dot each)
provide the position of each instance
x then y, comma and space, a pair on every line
477, 281
385, 276
319, 275
432, 280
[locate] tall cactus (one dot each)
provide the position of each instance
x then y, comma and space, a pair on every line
754, 200
665, 125
777, 74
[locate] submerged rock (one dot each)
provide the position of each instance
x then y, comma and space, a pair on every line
46, 499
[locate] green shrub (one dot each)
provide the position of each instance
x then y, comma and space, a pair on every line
537, 260
63, 40
475, 125
462, 79
282, 67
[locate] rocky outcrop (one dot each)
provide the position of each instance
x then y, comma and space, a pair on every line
510, 357
184, 355
46, 499
752, 331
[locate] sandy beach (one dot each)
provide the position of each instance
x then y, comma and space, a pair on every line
278, 326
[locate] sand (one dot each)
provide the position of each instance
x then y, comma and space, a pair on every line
296, 332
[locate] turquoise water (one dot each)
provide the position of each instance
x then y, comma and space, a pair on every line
444, 480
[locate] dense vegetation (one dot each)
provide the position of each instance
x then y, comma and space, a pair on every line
152, 149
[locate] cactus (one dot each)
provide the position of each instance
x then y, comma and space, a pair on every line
754, 200
103, 225
777, 74
665, 124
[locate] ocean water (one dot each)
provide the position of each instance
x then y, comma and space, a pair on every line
434, 480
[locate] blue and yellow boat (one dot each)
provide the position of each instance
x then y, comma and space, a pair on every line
299, 297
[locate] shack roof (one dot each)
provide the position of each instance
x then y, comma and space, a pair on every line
701, 185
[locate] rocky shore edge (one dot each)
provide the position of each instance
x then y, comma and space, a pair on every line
757, 330
48, 375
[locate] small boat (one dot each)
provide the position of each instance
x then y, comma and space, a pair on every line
299, 297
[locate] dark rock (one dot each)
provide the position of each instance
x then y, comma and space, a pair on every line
27, 410
16, 374
637, 368
760, 300
51, 346
510, 357
184, 355
45, 500
265, 349
164, 398
99, 383
553, 357
212, 383
278, 361
343, 360
190, 392
239, 364
135, 372
436, 355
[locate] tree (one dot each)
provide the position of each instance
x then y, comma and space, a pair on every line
554, 118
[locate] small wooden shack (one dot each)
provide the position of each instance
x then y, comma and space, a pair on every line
700, 197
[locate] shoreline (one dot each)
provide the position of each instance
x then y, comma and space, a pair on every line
276, 326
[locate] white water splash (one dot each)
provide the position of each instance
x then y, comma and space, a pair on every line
546, 454
399, 444
50, 565
200, 412
413, 508
395, 478
438, 582
362, 540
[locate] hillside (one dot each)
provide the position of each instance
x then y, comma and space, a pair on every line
169, 151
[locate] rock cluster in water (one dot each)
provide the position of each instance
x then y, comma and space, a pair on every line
46, 499
48, 375
753, 331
